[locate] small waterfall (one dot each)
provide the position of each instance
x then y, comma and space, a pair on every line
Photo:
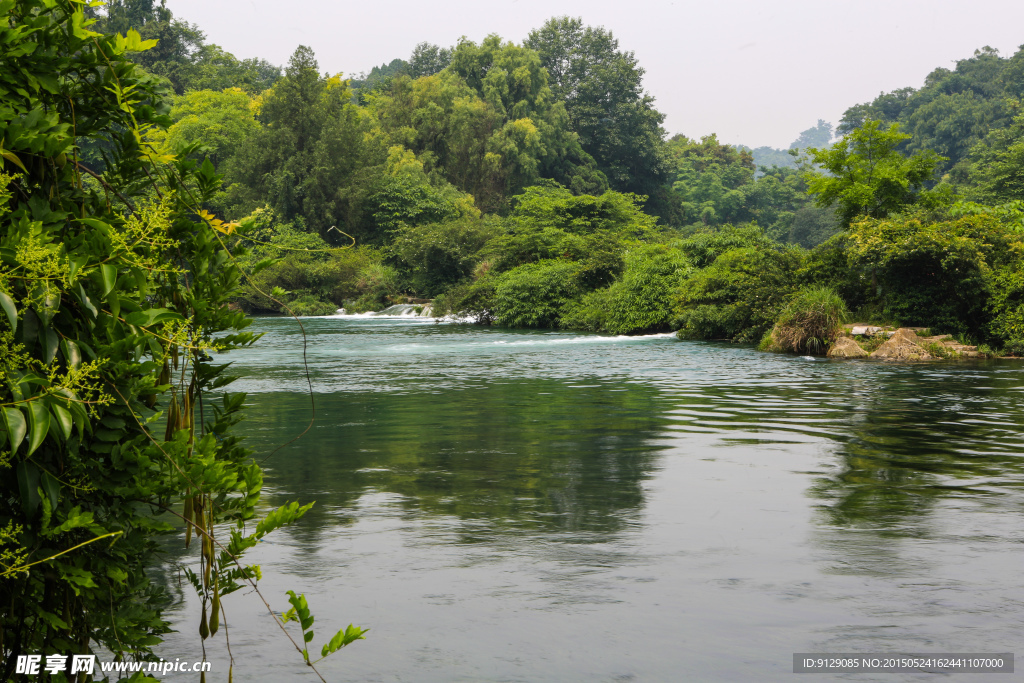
401, 309
398, 310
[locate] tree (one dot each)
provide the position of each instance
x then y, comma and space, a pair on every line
178, 42
998, 164
221, 120
302, 159
602, 89
866, 175
487, 124
218, 69
709, 177
428, 59
816, 136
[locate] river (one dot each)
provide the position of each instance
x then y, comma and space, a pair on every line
501, 505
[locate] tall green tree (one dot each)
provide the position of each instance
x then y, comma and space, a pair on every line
221, 120
602, 89
952, 111
179, 43
997, 173
311, 141
866, 175
428, 59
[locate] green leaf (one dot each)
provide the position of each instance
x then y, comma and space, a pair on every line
50, 343
286, 514
7, 303
151, 316
342, 638
72, 354
62, 416
30, 327
12, 157
86, 301
135, 43
108, 278
51, 487
75, 265
308, 636
39, 423
14, 423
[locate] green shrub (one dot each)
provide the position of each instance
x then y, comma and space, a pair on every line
829, 265
810, 322
310, 305
435, 256
936, 273
640, 301
1006, 305
737, 297
534, 295
302, 263
938, 350
871, 344
704, 246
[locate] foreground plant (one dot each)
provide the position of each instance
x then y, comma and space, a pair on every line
113, 295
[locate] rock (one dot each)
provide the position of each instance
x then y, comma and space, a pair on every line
845, 347
904, 344
865, 330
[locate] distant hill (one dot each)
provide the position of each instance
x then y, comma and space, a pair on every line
819, 135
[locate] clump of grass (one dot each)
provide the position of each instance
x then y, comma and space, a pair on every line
939, 350
810, 322
871, 343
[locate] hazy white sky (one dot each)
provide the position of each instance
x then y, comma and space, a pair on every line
755, 73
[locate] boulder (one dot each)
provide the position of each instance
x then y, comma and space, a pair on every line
904, 344
865, 330
845, 347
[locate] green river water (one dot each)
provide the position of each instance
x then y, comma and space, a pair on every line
502, 505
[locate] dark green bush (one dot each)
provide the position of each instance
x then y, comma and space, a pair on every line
308, 304
435, 256
640, 301
535, 294
1014, 347
933, 272
1006, 304
738, 297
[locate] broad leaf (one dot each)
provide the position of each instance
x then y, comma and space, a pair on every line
7, 303
39, 424
14, 423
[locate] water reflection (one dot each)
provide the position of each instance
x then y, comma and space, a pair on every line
934, 434
541, 456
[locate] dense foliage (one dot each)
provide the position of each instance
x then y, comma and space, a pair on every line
114, 290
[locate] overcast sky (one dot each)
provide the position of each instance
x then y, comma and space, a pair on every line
755, 73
